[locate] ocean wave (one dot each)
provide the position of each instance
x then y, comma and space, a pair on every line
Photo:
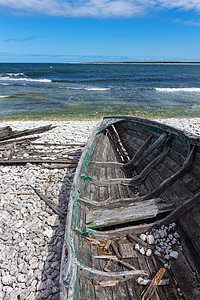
24, 79
177, 89
13, 74
4, 96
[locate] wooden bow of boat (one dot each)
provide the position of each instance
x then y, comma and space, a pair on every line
135, 176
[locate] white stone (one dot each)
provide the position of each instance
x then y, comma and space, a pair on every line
5, 169
142, 251
48, 232
143, 237
21, 278
137, 247
7, 280
33, 263
148, 252
173, 254
150, 239
170, 236
53, 220
19, 224
21, 230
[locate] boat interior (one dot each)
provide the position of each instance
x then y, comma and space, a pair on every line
137, 176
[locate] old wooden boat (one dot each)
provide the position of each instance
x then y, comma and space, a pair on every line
135, 176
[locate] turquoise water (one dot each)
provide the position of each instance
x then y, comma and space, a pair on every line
93, 90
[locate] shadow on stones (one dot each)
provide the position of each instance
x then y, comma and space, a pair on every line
49, 287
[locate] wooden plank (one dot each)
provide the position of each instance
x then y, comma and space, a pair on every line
100, 292
186, 278
157, 143
36, 161
126, 249
141, 177
133, 212
153, 285
166, 183
139, 153
110, 203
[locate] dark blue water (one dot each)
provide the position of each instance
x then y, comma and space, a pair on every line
93, 90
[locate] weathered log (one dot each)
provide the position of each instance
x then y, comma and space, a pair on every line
35, 161
28, 132
5, 131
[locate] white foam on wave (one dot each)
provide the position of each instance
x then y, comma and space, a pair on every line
96, 89
15, 74
4, 96
178, 89
24, 79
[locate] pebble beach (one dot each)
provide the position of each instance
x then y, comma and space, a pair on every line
31, 234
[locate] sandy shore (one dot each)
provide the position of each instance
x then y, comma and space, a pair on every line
31, 235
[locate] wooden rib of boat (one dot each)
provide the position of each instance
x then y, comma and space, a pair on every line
134, 176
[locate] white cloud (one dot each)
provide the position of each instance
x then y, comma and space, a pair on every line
95, 8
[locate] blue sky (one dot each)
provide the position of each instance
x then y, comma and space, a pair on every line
99, 30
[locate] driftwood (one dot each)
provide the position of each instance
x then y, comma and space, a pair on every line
61, 166
19, 141
115, 250
154, 283
15, 134
15, 151
49, 203
21, 161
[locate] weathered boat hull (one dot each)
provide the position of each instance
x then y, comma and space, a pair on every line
134, 175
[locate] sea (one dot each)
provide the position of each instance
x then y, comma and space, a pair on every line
92, 90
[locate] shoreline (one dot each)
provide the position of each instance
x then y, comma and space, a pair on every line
89, 118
